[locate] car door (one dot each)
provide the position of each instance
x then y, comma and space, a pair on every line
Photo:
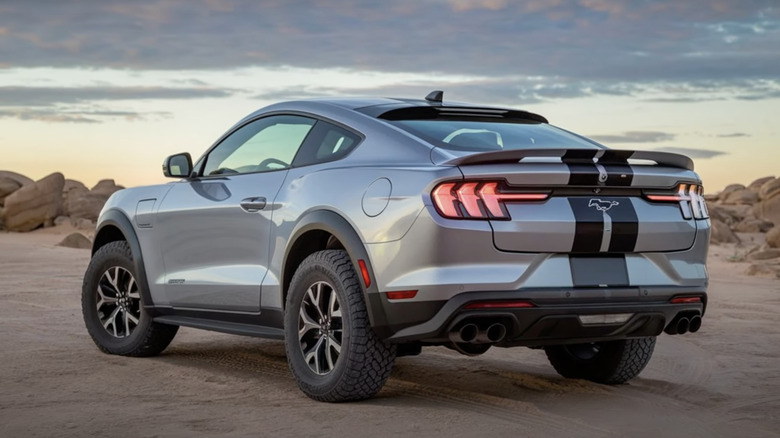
213, 229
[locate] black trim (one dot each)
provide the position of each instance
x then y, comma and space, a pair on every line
583, 174
336, 225
117, 219
553, 303
269, 323
619, 175
589, 228
625, 226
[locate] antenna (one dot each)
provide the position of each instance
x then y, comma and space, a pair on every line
435, 96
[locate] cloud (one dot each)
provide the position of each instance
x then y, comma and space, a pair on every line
693, 153
75, 116
635, 137
733, 135
587, 40
18, 96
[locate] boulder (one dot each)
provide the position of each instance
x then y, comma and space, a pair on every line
83, 224
729, 214
756, 185
721, 233
34, 204
769, 189
753, 225
106, 186
84, 204
21, 179
744, 196
767, 254
731, 188
773, 237
710, 197
76, 240
61, 220
769, 209
11, 182
764, 270
2, 223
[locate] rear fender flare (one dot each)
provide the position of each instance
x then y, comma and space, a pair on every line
336, 225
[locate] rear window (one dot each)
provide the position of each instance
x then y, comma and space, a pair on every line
482, 136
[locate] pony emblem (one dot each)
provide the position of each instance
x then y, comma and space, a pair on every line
602, 205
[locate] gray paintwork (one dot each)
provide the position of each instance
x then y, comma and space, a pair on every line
201, 250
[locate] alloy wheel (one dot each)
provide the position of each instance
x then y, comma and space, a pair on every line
320, 327
118, 302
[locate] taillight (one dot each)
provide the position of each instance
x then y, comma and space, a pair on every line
690, 198
477, 200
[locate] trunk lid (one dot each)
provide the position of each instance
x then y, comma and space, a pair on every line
598, 199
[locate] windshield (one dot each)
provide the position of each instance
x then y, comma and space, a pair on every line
482, 136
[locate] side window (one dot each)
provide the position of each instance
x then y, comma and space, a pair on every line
327, 142
263, 145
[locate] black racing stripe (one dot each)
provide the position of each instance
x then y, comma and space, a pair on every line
579, 154
619, 175
583, 175
589, 228
612, 156
625, 226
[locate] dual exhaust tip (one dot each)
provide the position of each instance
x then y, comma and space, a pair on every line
473, 334
682, 325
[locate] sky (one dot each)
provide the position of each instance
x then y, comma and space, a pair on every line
108, 88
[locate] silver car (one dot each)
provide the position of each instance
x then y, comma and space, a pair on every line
358, 230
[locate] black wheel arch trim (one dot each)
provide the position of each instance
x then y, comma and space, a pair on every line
117, 219
335, 224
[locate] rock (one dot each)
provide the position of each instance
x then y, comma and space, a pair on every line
731, 188
709, 197
769, 189
753, 225
34, 204
76, 240
756, 185
769, 209
771, 253
2, 223
83, 224
85, 204
11, 182
61, 220
729, 214
773, 237
106, 186
721, 233
71, 184
21, 179
744, 196
763, 270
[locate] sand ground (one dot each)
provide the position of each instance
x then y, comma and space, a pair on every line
721, 382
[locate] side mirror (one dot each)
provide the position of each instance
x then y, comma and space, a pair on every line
178, 166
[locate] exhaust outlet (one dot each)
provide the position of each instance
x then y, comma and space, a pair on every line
682, 326
695, 324
496, 332
468, 333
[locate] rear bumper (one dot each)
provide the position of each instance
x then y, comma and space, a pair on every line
554, 317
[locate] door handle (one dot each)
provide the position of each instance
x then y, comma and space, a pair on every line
252, 205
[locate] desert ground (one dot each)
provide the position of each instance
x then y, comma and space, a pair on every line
723, 381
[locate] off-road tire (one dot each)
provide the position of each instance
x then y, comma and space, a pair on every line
146, 338
365, 361
614, 362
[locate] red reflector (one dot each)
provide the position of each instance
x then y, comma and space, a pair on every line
686, 300
402, 294
364, 272
499, 305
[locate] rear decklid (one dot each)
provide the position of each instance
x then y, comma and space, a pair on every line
599, 200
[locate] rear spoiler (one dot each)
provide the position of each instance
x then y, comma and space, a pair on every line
578, 156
